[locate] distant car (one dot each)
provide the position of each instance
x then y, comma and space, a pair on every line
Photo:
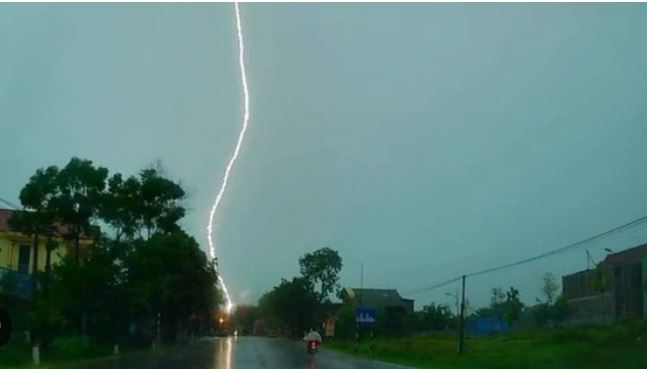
272, 333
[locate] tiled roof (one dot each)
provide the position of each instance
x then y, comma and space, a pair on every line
376, 293
5, 214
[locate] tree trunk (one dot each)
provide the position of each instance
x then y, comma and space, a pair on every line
77, 256
34, 328
34, 270
48, 263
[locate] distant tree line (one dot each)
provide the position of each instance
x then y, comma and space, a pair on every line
300, 303
304, 301
551, 310
143, 278
506, 306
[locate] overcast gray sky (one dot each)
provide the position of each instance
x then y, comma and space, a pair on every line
425, 140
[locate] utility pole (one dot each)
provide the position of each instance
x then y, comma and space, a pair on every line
361, 284
359, 305
461, 334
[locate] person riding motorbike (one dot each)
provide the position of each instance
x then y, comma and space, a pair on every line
313, 340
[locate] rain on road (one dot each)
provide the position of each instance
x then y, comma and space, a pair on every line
236, 353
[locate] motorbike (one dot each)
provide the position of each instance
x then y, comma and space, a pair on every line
313, 347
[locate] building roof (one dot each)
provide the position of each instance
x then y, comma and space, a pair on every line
634, 254
581, 272
388, 296
5, 214
373, 293
377, 298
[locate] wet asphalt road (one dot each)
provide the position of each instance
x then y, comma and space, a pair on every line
238, 353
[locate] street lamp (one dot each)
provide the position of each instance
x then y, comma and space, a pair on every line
458, 344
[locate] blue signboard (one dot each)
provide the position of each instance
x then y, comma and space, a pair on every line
365, 316
17, 284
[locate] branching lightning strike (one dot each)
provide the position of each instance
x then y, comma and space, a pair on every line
232, 160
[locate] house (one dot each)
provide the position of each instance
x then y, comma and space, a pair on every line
379, 299
17, 253
615, 289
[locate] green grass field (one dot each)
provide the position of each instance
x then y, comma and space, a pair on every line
622, 346
18, 354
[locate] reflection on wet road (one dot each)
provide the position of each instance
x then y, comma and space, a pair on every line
236, 353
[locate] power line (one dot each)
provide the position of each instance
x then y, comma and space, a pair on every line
9, 203
608, 233
437, 285
568, 247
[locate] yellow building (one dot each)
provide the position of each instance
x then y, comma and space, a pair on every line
16, 249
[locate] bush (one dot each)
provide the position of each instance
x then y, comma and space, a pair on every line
15, 353
345, 326
74, 348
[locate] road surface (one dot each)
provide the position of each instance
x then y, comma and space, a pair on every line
237, 353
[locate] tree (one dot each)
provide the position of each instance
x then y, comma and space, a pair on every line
79, 191
322, 268
561, 309
505, 305
345, 326
554, 309
37, 216
37, 219
292, 303
95, 289
512, 306
496, 307
120, 207
120, 285
498, 297
549, 288
436, 317
169, 274
244, 317
159, 197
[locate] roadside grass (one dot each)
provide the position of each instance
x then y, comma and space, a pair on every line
67, 348
616, 347
63, 350
14, 354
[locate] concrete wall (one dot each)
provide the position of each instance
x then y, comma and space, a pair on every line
593, 309
10, 246
629, 290
591, 296
5, 252
623, 295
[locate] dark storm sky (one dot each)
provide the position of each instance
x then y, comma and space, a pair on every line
425, 140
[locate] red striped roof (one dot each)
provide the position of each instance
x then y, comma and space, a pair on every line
5, 214
634, 254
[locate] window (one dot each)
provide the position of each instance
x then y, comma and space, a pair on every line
636, 277
23, 259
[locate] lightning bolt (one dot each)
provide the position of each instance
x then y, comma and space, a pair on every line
234, 156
